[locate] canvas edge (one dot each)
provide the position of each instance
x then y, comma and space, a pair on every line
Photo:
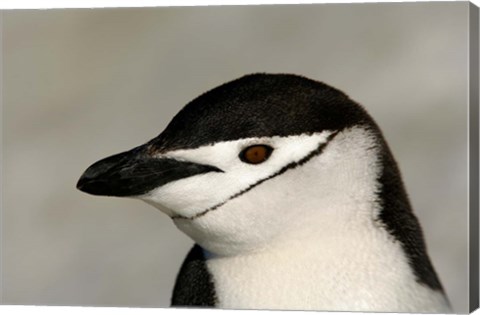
473, 157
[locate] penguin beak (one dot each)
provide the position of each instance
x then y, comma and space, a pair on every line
135, 173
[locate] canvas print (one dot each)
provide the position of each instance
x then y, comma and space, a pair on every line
276, 157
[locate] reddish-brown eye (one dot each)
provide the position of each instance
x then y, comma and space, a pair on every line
256, 154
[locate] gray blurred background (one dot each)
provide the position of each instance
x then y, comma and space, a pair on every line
80, 85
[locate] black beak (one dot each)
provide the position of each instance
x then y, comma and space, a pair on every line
135, 173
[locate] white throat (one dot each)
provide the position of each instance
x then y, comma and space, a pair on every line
334, 190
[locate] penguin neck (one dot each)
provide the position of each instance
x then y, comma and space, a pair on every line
331, 197
341, 193
334, 246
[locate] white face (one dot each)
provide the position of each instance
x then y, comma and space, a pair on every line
246, 205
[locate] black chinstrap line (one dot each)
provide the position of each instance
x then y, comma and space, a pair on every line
292, 165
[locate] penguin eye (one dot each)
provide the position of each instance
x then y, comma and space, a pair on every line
256, 154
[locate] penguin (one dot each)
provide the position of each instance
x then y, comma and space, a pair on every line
292, 197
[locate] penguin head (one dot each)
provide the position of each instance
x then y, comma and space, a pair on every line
241, 164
